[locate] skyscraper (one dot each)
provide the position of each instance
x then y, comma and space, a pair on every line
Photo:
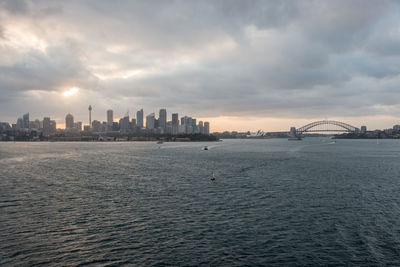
96, 125
150, 121
25, 120
46, 126
125, 125
110, 117
162, 119
206, 127
175, 123
69, 121
139, 118
53, 126
20, 123
200, 127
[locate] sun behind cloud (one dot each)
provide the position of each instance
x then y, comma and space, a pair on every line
71, 91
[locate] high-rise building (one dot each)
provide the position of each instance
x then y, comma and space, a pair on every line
124, 124
175, 123
133, 124
364, 129
162, 119
69, 121
194, 125
139, 118
200, 127
25, 120
20, 123
96, 126
46, 126
110, 117
206, 127
78, 126
150, 121
53, 126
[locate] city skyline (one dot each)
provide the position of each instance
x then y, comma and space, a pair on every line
153, 125
240, 65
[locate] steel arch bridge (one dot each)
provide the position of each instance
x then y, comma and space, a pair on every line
323, 126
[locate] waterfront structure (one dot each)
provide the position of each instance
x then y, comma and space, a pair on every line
139, 118
69, 121
323, 126
150, 121
162, 119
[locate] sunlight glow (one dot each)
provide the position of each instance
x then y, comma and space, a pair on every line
71, 91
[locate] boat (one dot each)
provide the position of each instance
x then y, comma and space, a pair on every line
212, 176
160, 142
205, 148
295, 139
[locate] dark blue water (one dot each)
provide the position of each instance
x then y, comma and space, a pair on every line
274, 202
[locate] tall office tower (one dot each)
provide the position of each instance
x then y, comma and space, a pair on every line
25, 120
53, 126
194, 125
69, 121
90, 115
124, 124
168, 128
186, 122
364, 129
162, 119
200, 127
206, 127
175, 123
37, 124
139, 118
110, 117
189, 125
78, 126
46, 126
20, 123
96, 126
150, 121
133, 124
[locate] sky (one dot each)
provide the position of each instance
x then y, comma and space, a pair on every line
242, 65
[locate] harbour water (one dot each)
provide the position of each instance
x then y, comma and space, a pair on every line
274, 202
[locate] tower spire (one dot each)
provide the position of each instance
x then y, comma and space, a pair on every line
90, 116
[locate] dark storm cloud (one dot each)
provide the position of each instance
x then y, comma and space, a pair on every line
207, 58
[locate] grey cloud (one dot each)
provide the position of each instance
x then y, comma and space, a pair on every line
208, 58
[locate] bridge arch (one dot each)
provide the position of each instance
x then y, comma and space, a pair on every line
316, 124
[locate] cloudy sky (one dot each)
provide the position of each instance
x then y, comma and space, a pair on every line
239, 64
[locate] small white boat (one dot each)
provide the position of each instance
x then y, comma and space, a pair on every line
212, 176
